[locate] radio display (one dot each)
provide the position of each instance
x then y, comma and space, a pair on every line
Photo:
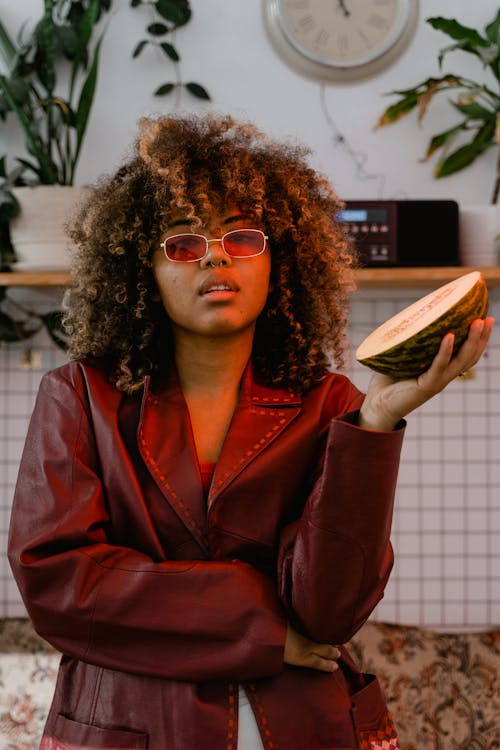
363, 214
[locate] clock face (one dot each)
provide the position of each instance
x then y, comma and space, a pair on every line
335, 35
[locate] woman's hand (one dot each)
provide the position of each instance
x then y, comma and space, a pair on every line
301, 652
388, 400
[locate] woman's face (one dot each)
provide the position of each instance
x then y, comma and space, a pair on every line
217, 295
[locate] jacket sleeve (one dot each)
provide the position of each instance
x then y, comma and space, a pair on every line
335, 560
113, 606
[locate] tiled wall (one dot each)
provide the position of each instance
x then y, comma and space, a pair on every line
447, 521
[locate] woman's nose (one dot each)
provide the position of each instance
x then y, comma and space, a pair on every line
216, 255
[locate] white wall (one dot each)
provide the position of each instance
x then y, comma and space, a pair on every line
225, 47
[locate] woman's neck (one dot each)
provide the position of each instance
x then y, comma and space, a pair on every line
210, 373
212, 366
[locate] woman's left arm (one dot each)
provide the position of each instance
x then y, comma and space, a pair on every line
335, 560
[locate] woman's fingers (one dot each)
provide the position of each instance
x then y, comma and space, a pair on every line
446, 367
302, 652
324, 657
387, 400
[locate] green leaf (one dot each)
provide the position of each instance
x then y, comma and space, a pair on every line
399, 109
197, 90
166, 88
460, 159
14, 330
68, 41
458, 31
170, 51
85, 29
46, 48
135, 3
441, 139
176, 11
46, 171
474, 110
140, 47
8, 329
7, 49
485, 135
157, 29
9, 206
33, 166
493, 30
85, 105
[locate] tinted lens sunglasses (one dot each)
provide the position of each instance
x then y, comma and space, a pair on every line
239, 243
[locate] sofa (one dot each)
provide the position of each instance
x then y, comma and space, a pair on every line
443, 689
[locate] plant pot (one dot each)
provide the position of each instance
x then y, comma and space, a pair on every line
37, 233
479, 230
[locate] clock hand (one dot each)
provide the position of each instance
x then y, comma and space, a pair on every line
343, 8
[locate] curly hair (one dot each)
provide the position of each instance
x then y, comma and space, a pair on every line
199, 164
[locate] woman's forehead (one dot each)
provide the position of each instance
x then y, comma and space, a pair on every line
212, 213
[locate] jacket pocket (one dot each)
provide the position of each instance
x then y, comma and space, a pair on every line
73, 735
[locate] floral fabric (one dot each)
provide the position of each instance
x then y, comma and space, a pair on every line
442, 689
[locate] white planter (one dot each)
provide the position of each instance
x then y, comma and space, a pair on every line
478, 228
38, 234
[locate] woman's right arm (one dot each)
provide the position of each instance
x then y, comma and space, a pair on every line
112, 605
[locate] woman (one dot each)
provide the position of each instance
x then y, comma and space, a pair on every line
203, 509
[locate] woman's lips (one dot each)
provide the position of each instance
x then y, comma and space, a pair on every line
218, 287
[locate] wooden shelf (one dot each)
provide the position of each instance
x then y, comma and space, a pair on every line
34, 278
421, 277
367, 278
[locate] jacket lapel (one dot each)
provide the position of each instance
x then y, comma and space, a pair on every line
261, 415
167, 446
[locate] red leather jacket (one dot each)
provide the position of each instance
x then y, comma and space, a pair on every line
161, 605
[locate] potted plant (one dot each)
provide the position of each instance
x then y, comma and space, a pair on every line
53, 124
477, 130
63, 49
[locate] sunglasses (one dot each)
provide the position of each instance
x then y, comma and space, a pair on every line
239, 243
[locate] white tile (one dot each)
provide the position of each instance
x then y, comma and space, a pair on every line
432, 521
432, 590
477, 567
454, 613
476, 520
453, 567
432, 544
408, 567
411, 614
454, 590
432, 566
453, 474
432, 612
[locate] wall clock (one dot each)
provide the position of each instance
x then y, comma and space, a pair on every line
340, 40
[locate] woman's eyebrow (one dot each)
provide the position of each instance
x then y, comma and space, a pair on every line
227, 220
236, 217
179, 222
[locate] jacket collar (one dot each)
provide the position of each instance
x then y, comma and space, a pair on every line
167, 446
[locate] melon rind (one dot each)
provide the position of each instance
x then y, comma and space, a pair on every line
414, 355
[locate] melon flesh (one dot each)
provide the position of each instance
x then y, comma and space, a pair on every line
405, 345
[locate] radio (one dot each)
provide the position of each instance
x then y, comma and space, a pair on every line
403, 232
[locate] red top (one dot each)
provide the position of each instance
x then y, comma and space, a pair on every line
207, 469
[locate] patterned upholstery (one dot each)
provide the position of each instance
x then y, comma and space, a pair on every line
443, 690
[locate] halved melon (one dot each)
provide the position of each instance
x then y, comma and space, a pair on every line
405, 345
